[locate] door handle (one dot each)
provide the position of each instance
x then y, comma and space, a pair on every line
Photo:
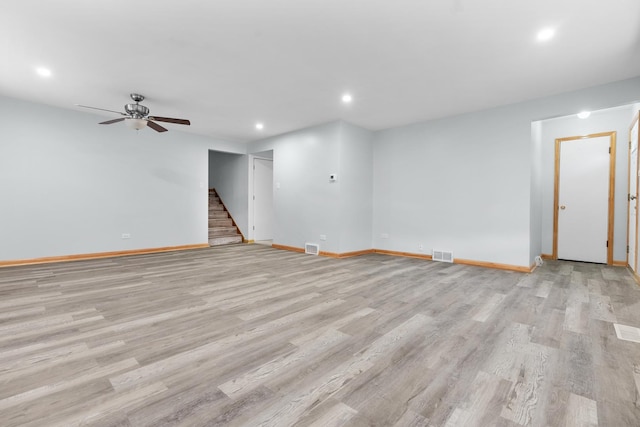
632, 197
563, 207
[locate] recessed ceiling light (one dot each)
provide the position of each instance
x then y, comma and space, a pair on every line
347, 98
259, 126
584, 114
43, 72
546, 34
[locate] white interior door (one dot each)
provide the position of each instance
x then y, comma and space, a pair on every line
583, 199
632, 237
262, 199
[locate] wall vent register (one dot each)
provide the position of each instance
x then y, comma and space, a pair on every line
442, 256
312, 248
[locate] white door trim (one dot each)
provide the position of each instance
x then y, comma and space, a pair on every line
632, 261
263, 199
250, 204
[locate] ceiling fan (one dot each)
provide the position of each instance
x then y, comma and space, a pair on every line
137, 116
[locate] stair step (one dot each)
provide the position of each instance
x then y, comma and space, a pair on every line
221, 228
213, 234
218, 215
220, 222
226, 240
224, 229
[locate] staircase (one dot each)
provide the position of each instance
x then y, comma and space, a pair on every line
222, 229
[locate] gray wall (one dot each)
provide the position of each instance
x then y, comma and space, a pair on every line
229, 175
355, 180
535, 228
459, 184
70, 186
616, 119
464, 183
471, 184
307, 204
264, 154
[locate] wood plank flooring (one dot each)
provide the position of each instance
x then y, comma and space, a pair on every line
253, 336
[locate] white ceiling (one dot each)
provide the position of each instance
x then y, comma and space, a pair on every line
226, 64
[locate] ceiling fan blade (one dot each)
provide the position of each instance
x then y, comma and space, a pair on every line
108, 122
155, 126
170, 120
101, 109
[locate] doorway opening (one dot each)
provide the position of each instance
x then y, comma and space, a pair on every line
227, 210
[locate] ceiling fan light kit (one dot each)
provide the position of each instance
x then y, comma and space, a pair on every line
136, 124
136, 116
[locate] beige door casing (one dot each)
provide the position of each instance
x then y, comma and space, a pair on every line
611, 188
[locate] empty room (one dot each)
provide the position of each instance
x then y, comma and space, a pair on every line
319, 213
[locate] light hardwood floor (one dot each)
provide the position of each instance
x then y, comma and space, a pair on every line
254, 336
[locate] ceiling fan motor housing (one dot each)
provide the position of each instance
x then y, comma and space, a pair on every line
136, 110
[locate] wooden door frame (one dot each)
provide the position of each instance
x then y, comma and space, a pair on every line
633, 123
612, 177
